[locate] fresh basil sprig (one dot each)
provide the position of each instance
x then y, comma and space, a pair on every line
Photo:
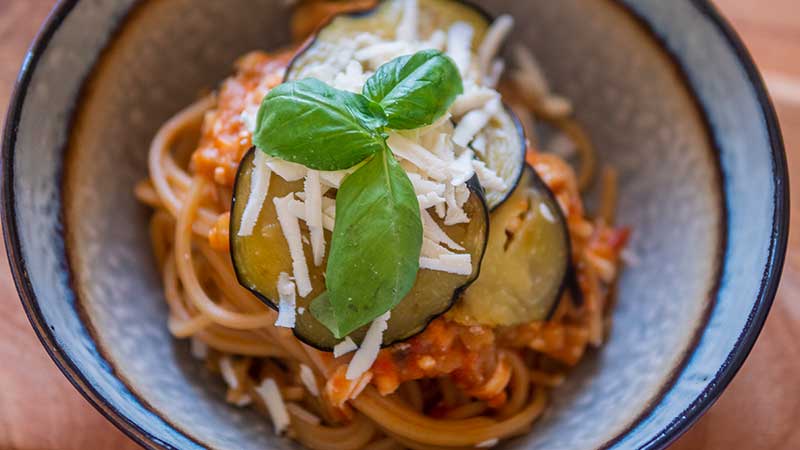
415, 90
377, 237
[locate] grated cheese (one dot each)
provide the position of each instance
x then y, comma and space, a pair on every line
435, 257
370, 346
456, 264
329, 210
407, 30
269, 392
473, 122
360, 385
334, 178
494, 38
286, 303
495, 73
435, 126
291, 232
228, 374
556, 106
455, 211
244, 400
351, 79
529, 72
327, 202
313, 206
546, 213
417, 155
530, 76
248, 117
423, 186
440, 210
443, 147
459, 45
331, 58
289, 171
479, 144
375, 55
309, 380
344, 347
472, 98
436, 41
488, 443
198, 348
431, 249
429, 200
364, 38
259, 187
487, 177
461, 168
298, 209
432, 231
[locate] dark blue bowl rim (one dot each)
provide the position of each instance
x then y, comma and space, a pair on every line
703, 401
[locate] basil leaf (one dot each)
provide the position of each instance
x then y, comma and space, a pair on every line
375, 248
313, 124
415, 90
322, 310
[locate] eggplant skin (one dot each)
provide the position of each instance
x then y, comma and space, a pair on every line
523, 151
258, 258
245, 162
570, 278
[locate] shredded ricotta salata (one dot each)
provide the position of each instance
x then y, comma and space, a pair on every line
271, 396
370, 346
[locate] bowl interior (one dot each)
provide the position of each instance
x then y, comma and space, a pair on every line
683, 148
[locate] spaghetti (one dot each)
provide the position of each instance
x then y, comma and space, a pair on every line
452, 386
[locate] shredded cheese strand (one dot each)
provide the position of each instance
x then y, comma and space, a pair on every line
259, 187
291, 231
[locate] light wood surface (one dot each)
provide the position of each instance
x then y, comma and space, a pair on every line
39, 409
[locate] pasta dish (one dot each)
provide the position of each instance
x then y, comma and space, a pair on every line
376, 236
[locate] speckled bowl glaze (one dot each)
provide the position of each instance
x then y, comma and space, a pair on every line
665, 89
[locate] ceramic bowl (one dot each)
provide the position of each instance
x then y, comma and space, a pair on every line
665, 89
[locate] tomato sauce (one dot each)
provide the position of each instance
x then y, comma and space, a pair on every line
225, 136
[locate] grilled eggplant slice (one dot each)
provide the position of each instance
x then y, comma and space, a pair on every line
259, 259
527, 260
503, 142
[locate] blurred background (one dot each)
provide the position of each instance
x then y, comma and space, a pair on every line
39, 409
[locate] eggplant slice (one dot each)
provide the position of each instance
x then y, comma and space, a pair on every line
259, 259
526, 264
505, 142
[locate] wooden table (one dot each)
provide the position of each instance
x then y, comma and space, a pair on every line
39, 409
